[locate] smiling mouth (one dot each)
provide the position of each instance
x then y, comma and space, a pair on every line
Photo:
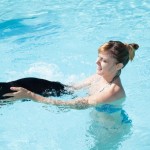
99, 68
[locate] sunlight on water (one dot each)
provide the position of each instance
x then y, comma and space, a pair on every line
58, 40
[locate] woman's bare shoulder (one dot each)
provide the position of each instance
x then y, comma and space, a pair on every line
118, 90
108, 95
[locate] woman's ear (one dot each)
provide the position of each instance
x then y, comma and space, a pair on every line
119, 66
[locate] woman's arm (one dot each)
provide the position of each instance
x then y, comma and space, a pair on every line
106, 96
78, 103
82, 84
22, 93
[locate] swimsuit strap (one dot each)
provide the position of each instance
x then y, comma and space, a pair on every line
109, 83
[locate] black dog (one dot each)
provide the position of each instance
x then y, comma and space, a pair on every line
40, 86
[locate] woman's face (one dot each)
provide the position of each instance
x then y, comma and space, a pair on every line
106, 64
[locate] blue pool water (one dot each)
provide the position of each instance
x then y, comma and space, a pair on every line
58, 40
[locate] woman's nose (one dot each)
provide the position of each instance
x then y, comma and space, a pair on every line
98, 61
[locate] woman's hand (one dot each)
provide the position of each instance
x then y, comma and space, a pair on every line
19, 93
22, 93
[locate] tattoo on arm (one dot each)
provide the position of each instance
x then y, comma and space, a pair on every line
81, 103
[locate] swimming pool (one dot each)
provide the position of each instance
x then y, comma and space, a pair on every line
58, 40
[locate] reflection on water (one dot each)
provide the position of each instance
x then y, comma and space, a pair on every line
108, 131
21, 26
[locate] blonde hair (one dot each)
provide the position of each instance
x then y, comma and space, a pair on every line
122, 52
131, 48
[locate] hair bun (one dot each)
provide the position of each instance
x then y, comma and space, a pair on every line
134, 46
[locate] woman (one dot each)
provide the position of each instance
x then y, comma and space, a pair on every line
104, 87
